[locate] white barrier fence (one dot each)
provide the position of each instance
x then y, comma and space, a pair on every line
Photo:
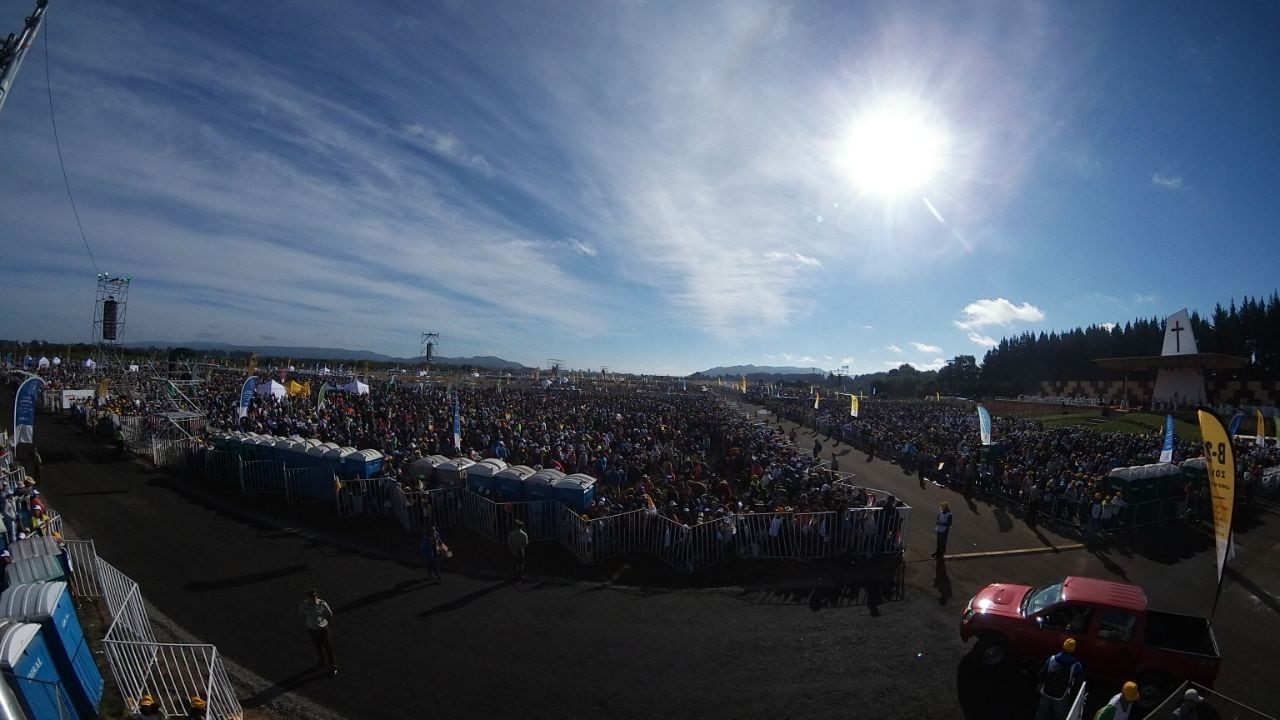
364, 498
262, 477
171, 673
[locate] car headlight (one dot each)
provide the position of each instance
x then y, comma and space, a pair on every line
968, 614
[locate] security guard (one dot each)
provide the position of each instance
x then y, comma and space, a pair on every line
942, 528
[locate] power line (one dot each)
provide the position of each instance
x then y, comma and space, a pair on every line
58, 144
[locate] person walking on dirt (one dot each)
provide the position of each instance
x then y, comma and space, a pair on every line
517, 541
318, 618
430, 548
1059, 679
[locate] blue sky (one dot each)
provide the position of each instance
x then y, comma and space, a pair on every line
654, 187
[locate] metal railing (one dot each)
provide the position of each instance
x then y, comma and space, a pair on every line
310, 485
262, 477
364, 498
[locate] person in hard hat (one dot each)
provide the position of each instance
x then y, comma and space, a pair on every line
148, 707
1121, 706
197, 708
1192, 707
1059, 680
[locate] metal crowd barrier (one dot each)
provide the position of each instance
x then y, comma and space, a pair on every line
221, 466
262, 477
170, 673
495, 520
364, 498
310, 485
173, 453
12, 479
592, 540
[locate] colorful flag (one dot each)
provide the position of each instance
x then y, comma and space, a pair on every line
1234, 425
24, 410
817, 399
324, 390
252, 365
743, 385
457, 427
853, 406
246, 395
1166, 452
984, 425
1261, 432
1222, 481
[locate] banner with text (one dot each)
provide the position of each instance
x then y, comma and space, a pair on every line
1222, 481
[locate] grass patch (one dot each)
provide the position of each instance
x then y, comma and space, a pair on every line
1132, 423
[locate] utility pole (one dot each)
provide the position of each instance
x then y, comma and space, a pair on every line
15, 48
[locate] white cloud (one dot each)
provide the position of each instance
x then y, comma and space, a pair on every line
828, 358
997, 312
924, 348
868, 327
893, 348
793, 257
1167, 181
846, 361
1108, 326
935, 364
801, 359
983, 340
582, 248
1144, 299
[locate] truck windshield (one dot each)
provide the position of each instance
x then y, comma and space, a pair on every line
1041, 598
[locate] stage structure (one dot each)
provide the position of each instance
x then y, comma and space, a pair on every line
429, 342
1179, 367
109, 313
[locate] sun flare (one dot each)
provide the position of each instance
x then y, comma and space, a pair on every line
894, 148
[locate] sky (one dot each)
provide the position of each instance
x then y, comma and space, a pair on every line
648, 186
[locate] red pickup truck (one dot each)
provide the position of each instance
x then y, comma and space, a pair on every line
1117, 636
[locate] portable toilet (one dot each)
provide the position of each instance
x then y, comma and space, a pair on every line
364, 463
30, 671
453, 473
575, 491
51, 607
539, 486
424, 469
41, 568
315, 453
335, 459
235, 441
34, 546
482, 477
260, 447
220, 440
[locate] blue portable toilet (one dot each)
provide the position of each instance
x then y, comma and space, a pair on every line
575, 491
234, 442
31, 673
424, 469
540, 485
482, 480
453, 473
50, 606
364, 463
40, 568
315, 453
335, 459
293, 453
220, 440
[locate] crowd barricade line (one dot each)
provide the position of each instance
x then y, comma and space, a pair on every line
83, 558
12, 478
364, 497
310, 485
446, 506
223, 467
173, 453
262, 477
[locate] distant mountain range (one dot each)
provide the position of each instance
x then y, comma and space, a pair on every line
330, 353
751, 370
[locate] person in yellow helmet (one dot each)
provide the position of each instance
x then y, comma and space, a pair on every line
148, 707
1059, 680
1121, 706
197, 708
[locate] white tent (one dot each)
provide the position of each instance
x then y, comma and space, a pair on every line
57, 361
271, 387
89, 363
133, 368
357, 387
42, 362
325, 371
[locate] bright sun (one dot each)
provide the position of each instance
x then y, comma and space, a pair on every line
894, 148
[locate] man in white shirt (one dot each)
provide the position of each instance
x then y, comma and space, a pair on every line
318, 617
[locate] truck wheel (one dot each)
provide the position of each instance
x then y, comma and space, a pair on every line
992, 651
1153, 687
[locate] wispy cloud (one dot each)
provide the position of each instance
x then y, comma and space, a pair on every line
868, 327
1144, 299
893, 348
999, 311
925, 348
582, 248
983, 340
1167, 181
846, 361
794, 257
